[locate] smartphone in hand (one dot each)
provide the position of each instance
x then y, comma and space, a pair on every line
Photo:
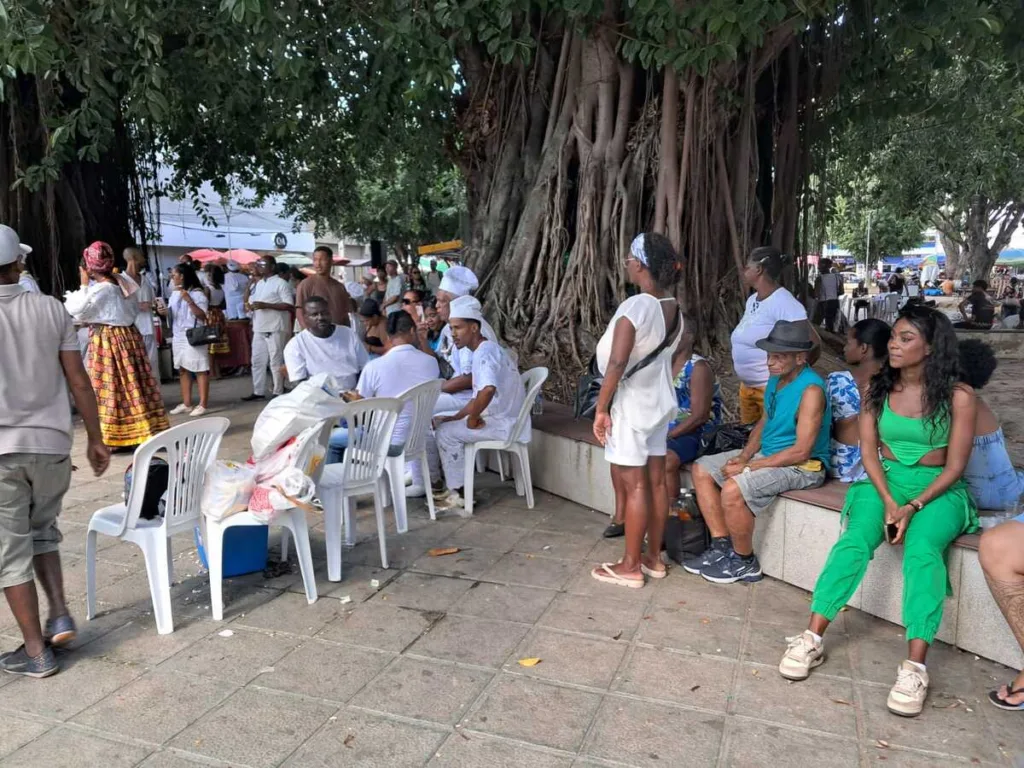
891, 531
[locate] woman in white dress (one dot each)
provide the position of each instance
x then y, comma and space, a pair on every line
637, 402
187, 309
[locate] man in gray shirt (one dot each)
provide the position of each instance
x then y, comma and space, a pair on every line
39, 362
395, 288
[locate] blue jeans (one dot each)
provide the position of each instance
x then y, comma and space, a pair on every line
990, 476
339, 442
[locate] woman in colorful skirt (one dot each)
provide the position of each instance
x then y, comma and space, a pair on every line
130, 406
916, 434
215, 316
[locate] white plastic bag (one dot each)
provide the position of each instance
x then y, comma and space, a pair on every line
312, 401
227, 489
287, 489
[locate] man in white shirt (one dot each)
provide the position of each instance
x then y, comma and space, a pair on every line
145, 297
324, 348
497, 398
235, 284
40, 363
395, 288
270, 299
458, 282
433, 278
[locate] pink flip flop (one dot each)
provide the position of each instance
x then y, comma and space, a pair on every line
604, 573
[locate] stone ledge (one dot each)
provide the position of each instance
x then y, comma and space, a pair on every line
792, 539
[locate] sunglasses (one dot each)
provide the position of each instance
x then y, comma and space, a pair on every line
408, 301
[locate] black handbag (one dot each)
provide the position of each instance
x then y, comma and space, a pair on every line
724, 437
686, 533
201, 335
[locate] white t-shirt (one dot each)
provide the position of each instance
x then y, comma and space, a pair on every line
751, 363
493, 368
396, 286
145, 295
234, 292
35, 415
272, 290
461, 360
394, 373
341, 355
647, 398
101, 304
26, 281
181, 314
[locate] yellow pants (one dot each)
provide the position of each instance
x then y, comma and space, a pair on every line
751, 404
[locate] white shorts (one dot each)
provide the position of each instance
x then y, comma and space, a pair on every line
194, 359
630, 447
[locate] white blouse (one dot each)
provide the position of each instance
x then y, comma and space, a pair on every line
101, 304
181, 314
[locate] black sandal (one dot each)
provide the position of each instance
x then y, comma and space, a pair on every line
614, 530
1002, 703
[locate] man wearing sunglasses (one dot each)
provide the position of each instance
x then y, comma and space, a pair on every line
787, 450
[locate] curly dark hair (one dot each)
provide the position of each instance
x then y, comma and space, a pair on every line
941, 366
977, 362
662, 260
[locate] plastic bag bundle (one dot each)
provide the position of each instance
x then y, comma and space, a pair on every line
285, 417
227, 489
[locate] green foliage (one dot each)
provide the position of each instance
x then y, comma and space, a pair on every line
861, 208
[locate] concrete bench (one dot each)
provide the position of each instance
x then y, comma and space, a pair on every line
792, 539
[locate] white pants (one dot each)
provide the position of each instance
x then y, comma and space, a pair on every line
452, 437
154, 356
268, 349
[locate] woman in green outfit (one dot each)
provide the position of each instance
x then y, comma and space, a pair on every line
916, 433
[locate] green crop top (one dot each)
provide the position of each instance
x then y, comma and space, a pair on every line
910, 439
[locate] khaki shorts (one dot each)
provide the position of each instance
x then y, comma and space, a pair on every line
760, 487
32, 487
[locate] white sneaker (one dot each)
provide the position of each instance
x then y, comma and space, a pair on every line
409, 480
198, 411
180, 409
415, 491
803, 654
906, 698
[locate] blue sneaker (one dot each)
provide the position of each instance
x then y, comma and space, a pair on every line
718, 549
60, 631
733, 568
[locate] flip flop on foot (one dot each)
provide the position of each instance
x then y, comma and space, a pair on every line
605, 573
654, 573
1002, 701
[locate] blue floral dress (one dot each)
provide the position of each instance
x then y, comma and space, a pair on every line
846, 464
683, 399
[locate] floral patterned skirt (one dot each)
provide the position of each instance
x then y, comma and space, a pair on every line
130, 405
216, 318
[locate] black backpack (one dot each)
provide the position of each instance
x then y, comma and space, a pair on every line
686, 533
153, 501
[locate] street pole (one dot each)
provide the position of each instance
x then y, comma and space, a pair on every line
867, 253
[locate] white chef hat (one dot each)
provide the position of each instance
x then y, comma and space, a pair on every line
466, 308
459, 281
355, 289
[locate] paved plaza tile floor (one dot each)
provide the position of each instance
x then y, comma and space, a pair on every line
422, 668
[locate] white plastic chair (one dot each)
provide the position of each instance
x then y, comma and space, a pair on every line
190, 449
371, 423
291, 520
421, 399
532, 380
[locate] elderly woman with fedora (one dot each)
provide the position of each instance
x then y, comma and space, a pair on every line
788, 450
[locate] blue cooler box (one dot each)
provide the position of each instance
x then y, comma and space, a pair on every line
245, 549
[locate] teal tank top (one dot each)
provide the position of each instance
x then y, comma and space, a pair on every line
911, 439
781, 407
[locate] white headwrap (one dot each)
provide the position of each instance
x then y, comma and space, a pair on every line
233, 266
466, 308
459, 281
636, 249
355, 289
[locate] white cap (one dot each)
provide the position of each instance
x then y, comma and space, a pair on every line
11, 248
355, 289
466, 308
233, 266
459, 281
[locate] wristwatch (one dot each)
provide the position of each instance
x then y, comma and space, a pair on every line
916, 504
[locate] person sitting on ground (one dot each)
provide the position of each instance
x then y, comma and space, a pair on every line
376, 327
41, 364
991, 478
497, 397
636, 404
400, 368
1001, 553
456, 392
769, 303
867, 347
982, 311
916, 431
321, 283
788, 450
324, 348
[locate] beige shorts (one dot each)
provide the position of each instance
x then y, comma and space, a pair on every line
32, 487
630, 447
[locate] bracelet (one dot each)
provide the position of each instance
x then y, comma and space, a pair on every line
916, 504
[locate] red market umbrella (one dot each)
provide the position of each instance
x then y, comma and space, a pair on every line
204, 255
241, 256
